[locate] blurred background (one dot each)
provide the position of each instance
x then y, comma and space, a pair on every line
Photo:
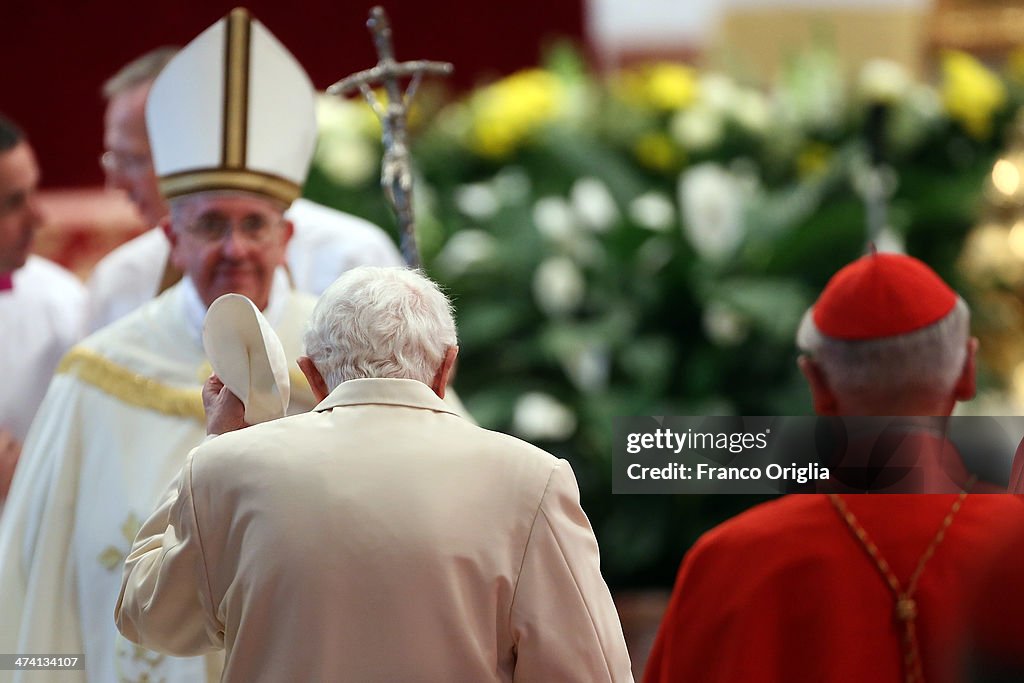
632, 202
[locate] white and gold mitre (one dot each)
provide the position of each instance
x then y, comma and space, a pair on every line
233, 110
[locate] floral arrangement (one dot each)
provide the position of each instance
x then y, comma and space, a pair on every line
645, 243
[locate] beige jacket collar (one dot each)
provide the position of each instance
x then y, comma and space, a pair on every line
396, 392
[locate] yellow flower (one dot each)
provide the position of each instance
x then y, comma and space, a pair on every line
663, 86
656, 151
671, 86
506, 113
813, 159
971, 93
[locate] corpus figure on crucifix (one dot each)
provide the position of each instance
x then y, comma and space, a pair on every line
396, 167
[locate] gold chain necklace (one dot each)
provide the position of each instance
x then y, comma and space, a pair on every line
906, 606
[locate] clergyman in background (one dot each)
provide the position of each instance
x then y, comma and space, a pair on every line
326, 242
42, 306
848, 587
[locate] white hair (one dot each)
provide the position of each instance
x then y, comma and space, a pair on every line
380, 322
928, 361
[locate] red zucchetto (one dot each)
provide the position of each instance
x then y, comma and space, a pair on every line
882, 295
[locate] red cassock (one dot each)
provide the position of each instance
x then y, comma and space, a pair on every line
786, 593
994, 642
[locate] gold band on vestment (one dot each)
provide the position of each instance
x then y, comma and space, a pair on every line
214, 179
130, 387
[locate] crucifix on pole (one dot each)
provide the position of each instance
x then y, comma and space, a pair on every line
396, 166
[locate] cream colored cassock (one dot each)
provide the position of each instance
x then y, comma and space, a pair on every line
380, 538
114, 429
326, 243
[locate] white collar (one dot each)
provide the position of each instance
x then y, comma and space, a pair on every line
195, 309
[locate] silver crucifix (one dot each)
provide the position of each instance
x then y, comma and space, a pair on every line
396, 167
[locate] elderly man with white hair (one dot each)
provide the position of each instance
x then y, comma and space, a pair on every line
380, 537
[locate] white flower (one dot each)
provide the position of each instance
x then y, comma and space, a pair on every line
477, 200
724, 326
588, 366
712, 206
752, 111
558, 286
345, 153
811, 91
557, 223
337, 115
883, 80
593, 204
538, 416
464, 250
697, 128
718, 92
652, 210
347, 160
554, 219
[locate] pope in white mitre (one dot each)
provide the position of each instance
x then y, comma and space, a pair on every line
232, 126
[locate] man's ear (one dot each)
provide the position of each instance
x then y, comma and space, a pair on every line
825, 402
440, 382
172, 237
315, 379
966, 385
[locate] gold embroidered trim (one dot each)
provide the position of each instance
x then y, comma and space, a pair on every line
112, 558
227, 179
236, 89
131, 387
